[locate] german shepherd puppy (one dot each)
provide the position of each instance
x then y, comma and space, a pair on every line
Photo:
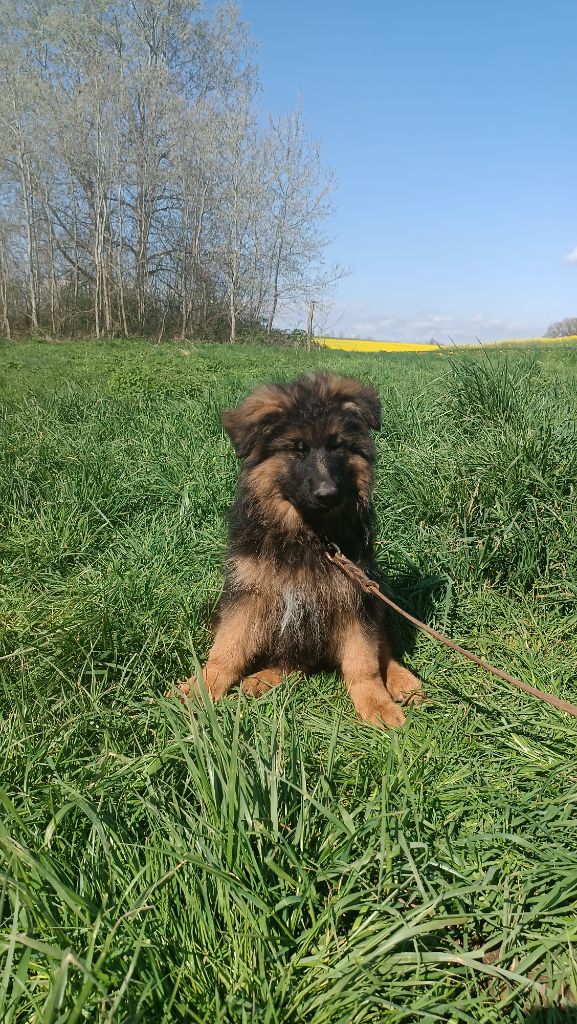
307, 476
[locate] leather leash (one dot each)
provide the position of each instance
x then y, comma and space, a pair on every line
354, 573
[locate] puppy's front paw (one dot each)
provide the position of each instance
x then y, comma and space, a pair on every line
184, 690
261, 682
403, 686
378, 709
190, 690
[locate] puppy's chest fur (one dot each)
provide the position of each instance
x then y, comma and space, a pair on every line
299, 612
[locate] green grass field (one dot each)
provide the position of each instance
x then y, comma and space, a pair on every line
277, 861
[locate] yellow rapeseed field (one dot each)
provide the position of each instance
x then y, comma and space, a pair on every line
357, 345
354, 345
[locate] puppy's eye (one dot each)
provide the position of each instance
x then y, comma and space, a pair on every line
333, 443
301, 447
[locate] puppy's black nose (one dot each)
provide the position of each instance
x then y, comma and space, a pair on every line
326, 494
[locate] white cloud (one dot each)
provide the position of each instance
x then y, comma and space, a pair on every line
361, 320
571, 257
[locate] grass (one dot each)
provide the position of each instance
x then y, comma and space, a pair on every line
276, 861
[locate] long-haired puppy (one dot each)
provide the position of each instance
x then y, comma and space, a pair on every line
307, 475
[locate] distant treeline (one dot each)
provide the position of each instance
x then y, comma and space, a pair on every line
141, 188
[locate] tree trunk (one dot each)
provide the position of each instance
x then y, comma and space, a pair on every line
269, 326
27, 203
143, 227
119, 273
310, 325
4, 296
233, 265
279, 247
232, 338
54, 294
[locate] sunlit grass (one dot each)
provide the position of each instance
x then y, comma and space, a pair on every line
277, 861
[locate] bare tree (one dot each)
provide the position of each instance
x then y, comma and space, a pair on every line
301, 193
138, 191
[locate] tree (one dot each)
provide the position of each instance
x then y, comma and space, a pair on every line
563, 328
138, 190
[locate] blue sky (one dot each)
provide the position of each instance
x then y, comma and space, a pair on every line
451, 128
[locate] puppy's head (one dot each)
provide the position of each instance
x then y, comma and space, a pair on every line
308, 441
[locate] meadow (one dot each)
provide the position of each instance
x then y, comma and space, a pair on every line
276, 861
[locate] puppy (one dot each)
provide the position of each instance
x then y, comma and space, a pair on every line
307, 476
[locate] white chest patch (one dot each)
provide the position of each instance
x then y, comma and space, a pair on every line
297, 608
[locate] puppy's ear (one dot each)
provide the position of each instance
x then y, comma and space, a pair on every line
251, 422
364, 400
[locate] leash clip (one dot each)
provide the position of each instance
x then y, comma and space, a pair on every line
331, 549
